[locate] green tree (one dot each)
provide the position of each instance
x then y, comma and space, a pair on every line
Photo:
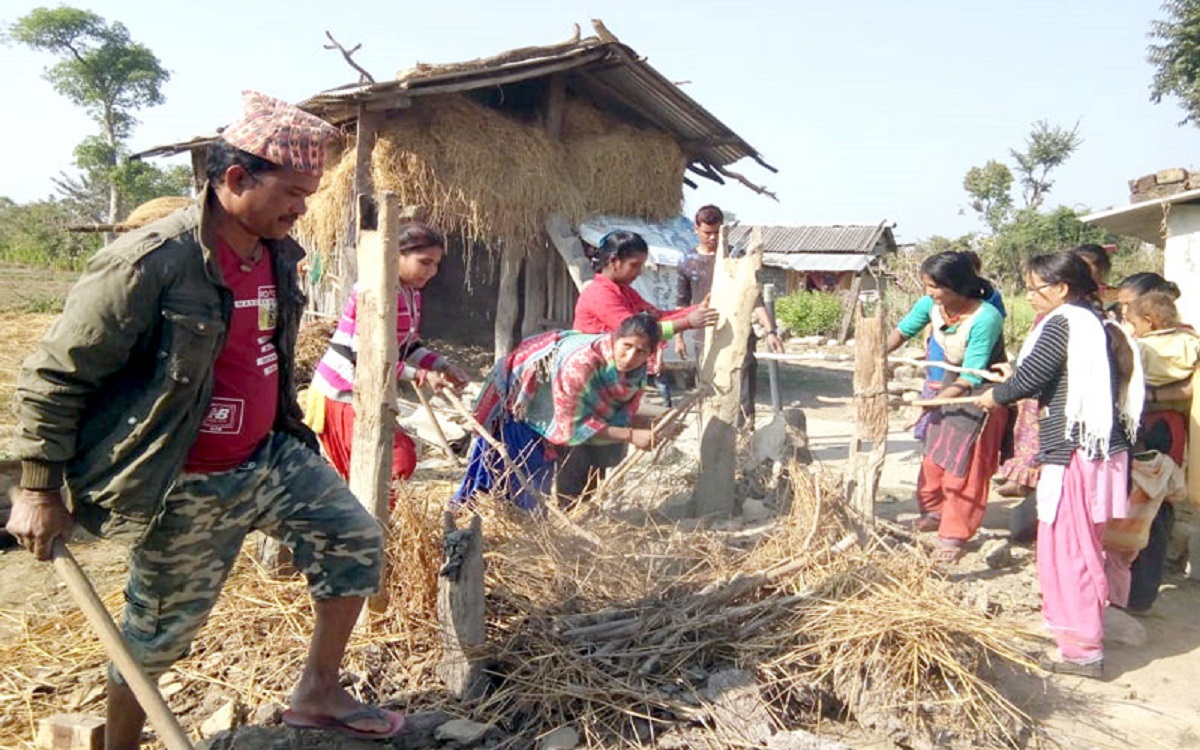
990, 189
1176, 58
1031, 232
104, 71
35, 234
1046, 148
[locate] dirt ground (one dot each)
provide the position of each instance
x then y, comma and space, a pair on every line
1145, 699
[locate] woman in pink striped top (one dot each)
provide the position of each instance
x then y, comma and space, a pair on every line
421, 252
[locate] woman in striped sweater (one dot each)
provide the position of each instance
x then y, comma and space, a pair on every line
421, 251
1087, 380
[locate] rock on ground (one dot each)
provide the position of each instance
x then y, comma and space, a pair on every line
798, 739
563, 738
738, 705
1122, 628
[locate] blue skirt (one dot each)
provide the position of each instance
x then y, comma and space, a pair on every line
485, 467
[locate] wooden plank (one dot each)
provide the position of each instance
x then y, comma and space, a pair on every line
507, 304
851, 306
570, 249
375, 375
462, 609
868, 447
734, 294
537, 278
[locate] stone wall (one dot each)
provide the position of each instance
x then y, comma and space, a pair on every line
1162, 183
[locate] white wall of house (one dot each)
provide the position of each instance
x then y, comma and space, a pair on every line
1182, 259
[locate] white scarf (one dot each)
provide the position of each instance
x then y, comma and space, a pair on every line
1089, 379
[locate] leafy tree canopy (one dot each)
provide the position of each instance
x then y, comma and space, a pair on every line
1176, 57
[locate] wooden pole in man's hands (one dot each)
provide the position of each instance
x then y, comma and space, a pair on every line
164, 722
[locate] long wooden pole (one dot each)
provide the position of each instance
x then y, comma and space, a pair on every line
146, 692
375, 386
437, 425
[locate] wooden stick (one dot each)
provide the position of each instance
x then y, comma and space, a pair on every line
146, 692
518, 472
666, 419
988, 375
957, 401
437, 426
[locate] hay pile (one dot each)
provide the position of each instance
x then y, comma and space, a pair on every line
153, 210
493, 179
617, 640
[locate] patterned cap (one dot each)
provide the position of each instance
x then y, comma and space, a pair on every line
280, 133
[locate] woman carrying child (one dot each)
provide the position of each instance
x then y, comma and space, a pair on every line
1087, 382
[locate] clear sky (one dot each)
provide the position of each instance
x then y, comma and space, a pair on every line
870, 109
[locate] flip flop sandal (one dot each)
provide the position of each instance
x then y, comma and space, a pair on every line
344, 724
948, 553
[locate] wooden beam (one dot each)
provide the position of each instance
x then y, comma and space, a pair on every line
868, 447
570, 248
851, 306
537, 278
506, 302
556, 105
734, 294
375, 374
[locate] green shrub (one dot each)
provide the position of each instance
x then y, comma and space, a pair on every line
43, 303
810, 313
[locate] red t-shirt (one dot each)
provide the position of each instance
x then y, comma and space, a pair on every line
246, 373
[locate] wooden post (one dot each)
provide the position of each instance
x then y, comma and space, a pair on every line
851, 306
570, 247
537, 276
506, 301
71, 732
556, 100
375, 373
461, 609
868, 447
768, 296
734, 293
367, 124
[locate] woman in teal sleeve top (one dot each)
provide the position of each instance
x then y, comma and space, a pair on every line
962, 443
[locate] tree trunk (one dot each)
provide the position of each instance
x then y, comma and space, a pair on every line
462, 609
734, 293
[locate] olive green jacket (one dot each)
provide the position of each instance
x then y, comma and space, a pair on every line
112, 399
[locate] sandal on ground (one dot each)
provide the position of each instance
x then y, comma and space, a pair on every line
1011, 489
345, 724
927, 522
948, 551
1052, 663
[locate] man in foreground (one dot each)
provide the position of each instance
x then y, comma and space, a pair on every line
163, 400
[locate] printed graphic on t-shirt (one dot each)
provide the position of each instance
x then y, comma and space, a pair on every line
267, 304
224, 416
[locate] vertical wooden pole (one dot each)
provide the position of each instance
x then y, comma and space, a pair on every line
734, 293
851, 306
868, 447
364, 144
375, 373
506, 301
537, 276
768, 295
462, 609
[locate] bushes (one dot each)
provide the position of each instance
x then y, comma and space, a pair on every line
810, 313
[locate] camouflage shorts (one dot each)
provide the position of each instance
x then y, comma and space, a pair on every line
285, 490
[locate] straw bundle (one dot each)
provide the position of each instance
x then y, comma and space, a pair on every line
615, 639
493, 179
311, 344
153, 210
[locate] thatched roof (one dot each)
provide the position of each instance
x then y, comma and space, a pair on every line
597, 68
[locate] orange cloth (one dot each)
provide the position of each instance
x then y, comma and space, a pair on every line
962, 501
1155, 478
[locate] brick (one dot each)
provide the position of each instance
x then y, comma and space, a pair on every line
1170, 176
71, 732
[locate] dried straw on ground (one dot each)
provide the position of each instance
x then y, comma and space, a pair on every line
493, 179
611, 639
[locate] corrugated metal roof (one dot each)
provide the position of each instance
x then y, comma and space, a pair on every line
857, 239
827, 262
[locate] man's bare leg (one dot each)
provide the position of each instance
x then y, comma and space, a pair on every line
125, 720
319, 692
